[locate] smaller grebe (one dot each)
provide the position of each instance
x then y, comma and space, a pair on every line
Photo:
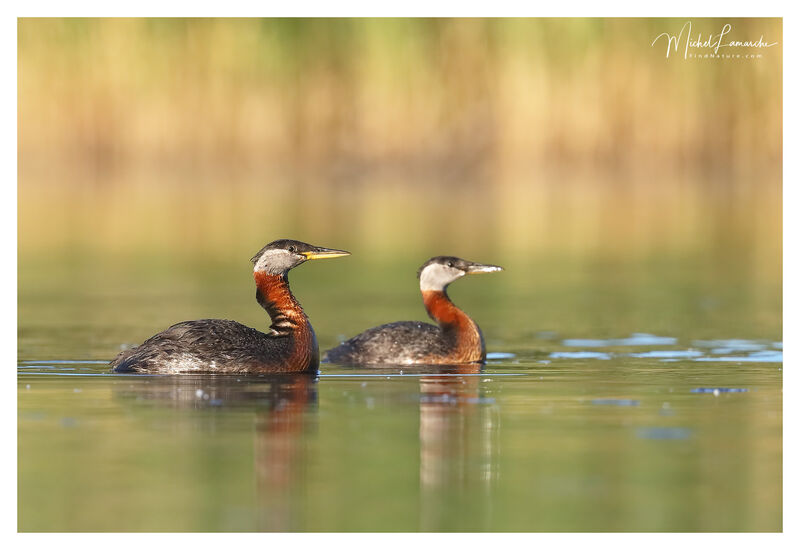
222, 346
456, 340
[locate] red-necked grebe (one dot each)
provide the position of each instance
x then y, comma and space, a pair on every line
456, 340
222, 346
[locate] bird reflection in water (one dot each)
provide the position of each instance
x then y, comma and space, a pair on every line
280, 454
458, 432
279, 404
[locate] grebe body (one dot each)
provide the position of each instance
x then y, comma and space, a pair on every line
222, 346
457, 339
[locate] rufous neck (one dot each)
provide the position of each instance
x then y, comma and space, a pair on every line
442, 310
274, 295
457, 327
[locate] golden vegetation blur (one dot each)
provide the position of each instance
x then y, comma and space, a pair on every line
387, 136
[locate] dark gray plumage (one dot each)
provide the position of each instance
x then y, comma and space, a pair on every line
402, 342
205, 345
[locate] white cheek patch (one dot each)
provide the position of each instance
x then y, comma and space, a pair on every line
438, 276
274, 261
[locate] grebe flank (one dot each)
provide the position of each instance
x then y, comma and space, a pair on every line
222, 346
456, 340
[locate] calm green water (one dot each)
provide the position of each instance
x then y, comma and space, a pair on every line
617, 397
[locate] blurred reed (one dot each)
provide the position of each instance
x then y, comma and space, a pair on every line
522, 136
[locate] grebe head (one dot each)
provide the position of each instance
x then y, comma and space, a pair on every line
438, 272
280, 256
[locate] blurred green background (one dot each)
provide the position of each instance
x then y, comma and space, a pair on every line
524, 136
567, 150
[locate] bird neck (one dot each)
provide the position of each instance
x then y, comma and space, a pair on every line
274, 295
451, 319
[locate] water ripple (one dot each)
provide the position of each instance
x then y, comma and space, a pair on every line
62, 362
663, 433
635, 339
727, 346
717, 391
500, 355
766, 356
616, 402
579, 355
677, 354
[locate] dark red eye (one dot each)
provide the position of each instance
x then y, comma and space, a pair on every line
449, 264
292, 248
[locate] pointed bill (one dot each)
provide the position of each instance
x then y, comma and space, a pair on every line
320, 253
483, 268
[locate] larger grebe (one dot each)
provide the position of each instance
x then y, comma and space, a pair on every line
456, 340
222, 346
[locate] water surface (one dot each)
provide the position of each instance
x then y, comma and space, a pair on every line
619, 444
603, 406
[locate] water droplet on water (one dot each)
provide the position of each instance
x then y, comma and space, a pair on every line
199, 393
